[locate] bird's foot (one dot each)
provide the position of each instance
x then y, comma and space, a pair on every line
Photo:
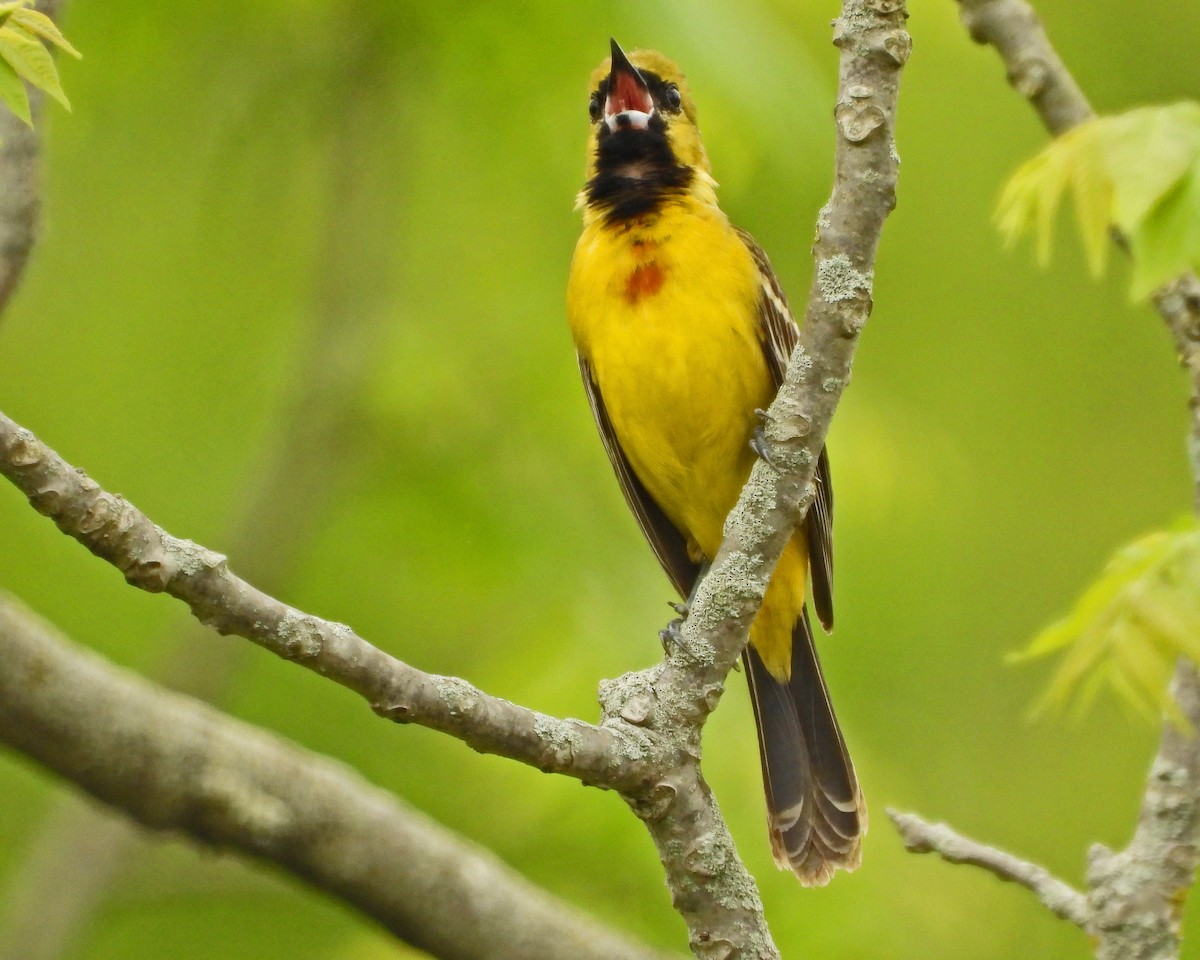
758, 440
671, 635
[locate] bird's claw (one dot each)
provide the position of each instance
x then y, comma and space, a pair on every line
762, 446
672, 637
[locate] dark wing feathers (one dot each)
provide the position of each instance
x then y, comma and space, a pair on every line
818, 524
779, 339
668, 543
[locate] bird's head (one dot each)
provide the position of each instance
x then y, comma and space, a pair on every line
645, 146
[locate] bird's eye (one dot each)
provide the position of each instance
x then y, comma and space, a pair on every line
595, 106
673, 98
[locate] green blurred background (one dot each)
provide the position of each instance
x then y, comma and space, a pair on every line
370, 204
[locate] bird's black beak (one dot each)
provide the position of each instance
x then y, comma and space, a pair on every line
629, 104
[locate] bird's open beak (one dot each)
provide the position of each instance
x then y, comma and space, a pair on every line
629, 104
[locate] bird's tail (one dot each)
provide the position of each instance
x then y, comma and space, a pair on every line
815, 809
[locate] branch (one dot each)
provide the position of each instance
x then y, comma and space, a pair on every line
1134, 903
1034, 67
920, 836
874, 47
1136, 896
176, 764
153, 560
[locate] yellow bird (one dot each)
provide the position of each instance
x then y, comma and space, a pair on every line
682, 332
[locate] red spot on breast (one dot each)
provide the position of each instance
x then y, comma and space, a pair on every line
645, 281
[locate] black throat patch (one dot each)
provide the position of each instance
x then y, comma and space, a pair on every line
636, 170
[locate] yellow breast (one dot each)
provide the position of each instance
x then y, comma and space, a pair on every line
664, 309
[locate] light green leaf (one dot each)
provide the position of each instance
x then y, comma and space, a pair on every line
1092, 192
13, 93
32, 61
1129, 627
1032, 196
42, 26
1166, 242
8, 9
1147, 152
1139, 171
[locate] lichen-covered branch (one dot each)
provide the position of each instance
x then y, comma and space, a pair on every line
921, 836
1135, 898
186, 767
874, 47
152, 559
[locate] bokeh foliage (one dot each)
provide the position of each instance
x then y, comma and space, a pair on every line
233, 173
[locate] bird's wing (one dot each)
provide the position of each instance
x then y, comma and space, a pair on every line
779, 333
669, 545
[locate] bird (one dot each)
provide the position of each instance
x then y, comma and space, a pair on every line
683, 333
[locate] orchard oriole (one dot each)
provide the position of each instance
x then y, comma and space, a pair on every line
682, 332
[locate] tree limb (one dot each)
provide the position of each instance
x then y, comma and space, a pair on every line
186, 767
153, 560
1135, 898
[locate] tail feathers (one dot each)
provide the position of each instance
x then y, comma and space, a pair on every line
815, 809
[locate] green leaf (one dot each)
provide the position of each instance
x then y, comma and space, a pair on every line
1032, 196
1166, 242
1128, 628
13, 93
1092, 192
31, 21
1138, 171
1147, 152
8, 9
32, 61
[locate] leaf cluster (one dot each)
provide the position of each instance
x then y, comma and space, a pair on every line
1137, 171
1129, 627
24, 58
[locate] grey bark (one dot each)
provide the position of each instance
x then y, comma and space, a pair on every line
176, 764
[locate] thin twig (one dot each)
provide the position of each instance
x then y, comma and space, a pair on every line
1034, 68
921, 836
